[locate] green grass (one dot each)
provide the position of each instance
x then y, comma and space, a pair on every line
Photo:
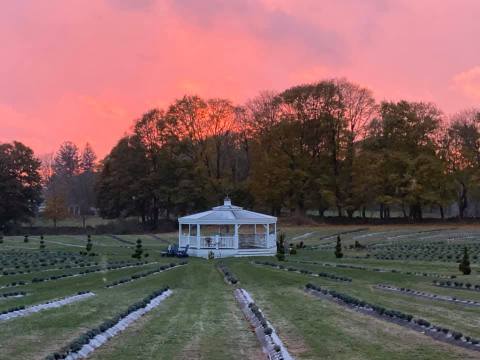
201, 320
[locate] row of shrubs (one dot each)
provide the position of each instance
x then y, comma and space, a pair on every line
12, 309
350, 300
143, 274
394, 314
306, 272
15, 283
85, 338
458, 285
259, 315
426, 294
395, 271
22, 307
12, 294
87, 271
227, 273
427, 251
18, 261
65, 267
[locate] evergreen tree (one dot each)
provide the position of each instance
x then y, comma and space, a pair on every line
88, 159
464, 265
338, 248
281, 247
67, 160
138, 250
42, 243
89, 244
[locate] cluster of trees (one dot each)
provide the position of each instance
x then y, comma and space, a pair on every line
20, 184
69, 183
315, 147
311, 148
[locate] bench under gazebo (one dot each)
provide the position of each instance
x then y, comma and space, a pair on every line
228, 230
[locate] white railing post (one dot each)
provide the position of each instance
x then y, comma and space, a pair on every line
235, 239
274, 240
179, 234
217, 239
268, 235
198, 236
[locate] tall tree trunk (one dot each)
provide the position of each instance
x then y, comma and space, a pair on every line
350, 213
218, 162
387, 212
462, 200
335, 168
349, 165
442, 215
155, 213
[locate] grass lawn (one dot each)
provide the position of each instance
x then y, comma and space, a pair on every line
201, 319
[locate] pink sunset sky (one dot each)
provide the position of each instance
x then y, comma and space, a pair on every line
84, 70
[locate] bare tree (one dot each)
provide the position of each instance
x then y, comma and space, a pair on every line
359, 108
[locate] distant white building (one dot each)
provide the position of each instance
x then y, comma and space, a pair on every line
228, 230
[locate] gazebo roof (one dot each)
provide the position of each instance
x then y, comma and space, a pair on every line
227, 214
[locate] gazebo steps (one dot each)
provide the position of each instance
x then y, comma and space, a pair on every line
255, 252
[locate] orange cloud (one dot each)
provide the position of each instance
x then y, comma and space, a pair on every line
469, 82
84, 70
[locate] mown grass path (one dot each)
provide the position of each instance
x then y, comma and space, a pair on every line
200, 321
313, 329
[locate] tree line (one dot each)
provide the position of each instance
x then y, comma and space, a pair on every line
56, 187
315, 148
69, 179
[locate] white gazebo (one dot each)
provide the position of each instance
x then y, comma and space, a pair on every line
228, 230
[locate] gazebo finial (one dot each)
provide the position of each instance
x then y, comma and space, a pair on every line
227, 201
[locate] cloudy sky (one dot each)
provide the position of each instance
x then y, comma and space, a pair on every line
84, 70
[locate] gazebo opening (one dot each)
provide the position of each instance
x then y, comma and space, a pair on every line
228, 230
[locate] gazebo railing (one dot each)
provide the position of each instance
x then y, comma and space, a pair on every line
245, 241
185, 240
208, 242
217, 242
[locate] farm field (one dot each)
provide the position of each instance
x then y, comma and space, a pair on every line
201, 319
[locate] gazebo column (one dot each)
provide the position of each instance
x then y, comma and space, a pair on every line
275, 236
179, 234
198, 236
235, 238
268, 235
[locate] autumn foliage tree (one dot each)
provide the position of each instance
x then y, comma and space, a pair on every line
326, 147
55, 208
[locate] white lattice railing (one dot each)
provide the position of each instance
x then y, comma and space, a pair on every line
217, 242
228, 242
208, 242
